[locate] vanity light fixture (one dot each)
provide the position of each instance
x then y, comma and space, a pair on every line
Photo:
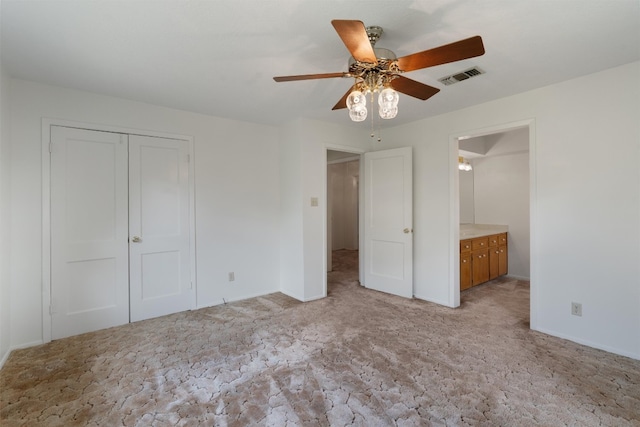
463, 164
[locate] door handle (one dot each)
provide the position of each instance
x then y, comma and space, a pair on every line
136, 239
407, 230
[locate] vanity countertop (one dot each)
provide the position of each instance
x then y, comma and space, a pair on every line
471, 231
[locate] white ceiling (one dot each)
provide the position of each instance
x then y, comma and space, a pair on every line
218, 57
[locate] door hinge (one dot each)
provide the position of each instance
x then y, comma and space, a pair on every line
188, 158
50, 148
51, 309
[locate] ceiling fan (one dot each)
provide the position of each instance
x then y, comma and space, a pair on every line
379, 70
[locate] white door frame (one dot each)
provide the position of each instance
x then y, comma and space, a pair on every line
454, 208
359, 152
46, 204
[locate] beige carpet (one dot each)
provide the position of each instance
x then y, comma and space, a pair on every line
358, 357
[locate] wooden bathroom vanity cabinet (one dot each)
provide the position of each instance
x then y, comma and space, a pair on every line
483, 256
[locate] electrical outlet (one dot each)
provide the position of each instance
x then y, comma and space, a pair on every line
232, 276
576, 309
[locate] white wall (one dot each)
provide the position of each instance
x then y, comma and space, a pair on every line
237, 195
5, 220
467, 208
586, 219
501, 186
291, 236
303, 155
342, 185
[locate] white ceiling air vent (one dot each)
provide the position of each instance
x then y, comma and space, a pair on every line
455, 78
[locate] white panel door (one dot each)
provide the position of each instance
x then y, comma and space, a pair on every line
388, 223
160, 275
89, 230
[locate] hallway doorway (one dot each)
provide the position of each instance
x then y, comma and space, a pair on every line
343, 211
344, 274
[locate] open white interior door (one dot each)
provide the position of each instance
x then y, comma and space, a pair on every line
388, 221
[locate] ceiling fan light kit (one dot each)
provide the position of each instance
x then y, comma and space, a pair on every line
378, 70
357, 105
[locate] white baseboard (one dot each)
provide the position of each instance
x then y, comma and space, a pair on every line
5, 356
292, 295
444, 303
313, 298
590, 344
241, 298
511, 276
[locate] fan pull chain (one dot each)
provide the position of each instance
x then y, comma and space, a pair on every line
373, 132
372, 129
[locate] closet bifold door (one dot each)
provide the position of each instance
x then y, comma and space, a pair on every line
89, 231
160, 275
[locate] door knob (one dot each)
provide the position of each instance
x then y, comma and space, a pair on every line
136, 239
407, 230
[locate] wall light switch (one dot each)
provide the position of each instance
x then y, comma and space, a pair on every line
314, 201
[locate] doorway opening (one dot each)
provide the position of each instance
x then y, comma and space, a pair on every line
343, 219
497, 191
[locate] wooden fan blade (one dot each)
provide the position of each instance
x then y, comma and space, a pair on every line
355, 38
343, 101
452, 52
413, 88
310, 77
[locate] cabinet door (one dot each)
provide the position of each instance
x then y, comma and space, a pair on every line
480, 266
502, 260
465, 271
502, 239
494, 262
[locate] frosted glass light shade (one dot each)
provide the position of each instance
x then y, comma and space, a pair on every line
388, 103
357, 105
388, 113
358, 112
356, 98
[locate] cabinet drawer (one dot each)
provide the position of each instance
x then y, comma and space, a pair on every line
502, 239
480, 243
465, 246
494, 240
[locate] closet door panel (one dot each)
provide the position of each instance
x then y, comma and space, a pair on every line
160, 275
89, 230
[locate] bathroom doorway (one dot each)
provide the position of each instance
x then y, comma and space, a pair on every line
497, 190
